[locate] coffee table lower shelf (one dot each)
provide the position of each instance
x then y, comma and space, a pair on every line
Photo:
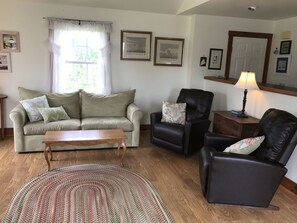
84, 138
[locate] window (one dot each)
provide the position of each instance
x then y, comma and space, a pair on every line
80, 56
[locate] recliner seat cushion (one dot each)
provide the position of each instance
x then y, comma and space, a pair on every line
174, 134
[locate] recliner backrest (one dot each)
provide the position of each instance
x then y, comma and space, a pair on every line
198, 102
279, 128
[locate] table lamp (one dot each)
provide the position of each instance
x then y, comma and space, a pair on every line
247, 81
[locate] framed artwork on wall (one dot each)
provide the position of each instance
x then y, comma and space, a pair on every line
136, 45
285, 47
5, 63
168, 51
203, 61
10, 41
282, 64
215, 59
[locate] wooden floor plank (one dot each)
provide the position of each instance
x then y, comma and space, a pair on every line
175, 178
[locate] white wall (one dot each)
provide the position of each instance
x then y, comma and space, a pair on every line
30, 67
290, 78
212, 32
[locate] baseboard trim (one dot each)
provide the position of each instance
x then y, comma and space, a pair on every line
289, 185
8, 131
286, 183
145, 127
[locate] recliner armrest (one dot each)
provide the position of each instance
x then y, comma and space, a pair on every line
156, 117
218, 141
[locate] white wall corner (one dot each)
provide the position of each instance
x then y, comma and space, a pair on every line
189, 4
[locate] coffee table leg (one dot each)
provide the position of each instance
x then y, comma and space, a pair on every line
124, 152
46, 150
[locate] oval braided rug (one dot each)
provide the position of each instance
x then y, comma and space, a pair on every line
87, 193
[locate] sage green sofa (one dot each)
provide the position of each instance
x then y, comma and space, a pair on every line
86, 111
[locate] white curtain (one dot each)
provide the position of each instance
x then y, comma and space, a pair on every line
60, 31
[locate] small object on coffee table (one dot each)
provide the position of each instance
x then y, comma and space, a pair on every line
84, 138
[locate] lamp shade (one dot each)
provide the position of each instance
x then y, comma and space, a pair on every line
247, 80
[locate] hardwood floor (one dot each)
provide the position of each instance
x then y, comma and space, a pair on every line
175, 178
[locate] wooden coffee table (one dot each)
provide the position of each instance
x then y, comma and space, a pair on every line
84, 138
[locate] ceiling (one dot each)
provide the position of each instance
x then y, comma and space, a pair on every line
265, 9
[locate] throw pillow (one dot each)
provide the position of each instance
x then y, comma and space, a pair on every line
53, 114
174, 112
245, 146
31, 106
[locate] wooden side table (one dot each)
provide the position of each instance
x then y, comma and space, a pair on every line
2, 97
224, 122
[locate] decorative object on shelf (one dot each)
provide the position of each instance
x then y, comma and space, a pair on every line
168, 51
136, 45
282, 65
247, 81
276, 51
215, 59
203, 61
5, 63
10, 41
285, 47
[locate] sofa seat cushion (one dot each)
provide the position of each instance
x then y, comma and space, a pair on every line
107, 123
174, 134
40, 128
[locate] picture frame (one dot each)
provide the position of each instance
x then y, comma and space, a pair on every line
203, 61
285, 47
5, 63
168, 51
215, 59
9, 41
136, 45
282, 64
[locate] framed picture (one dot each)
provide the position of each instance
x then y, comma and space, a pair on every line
10, 41
168, 51
282, 65
5, 63
285, 47
136, 45
215, 59
203, 61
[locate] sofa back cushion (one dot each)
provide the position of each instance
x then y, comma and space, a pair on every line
69, 101
25, 93
114, 105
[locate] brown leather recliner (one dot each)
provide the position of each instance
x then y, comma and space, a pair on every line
250, 180
189, 137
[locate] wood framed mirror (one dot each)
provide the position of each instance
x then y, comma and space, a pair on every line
233, 34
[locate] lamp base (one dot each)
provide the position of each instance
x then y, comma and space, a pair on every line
242, 115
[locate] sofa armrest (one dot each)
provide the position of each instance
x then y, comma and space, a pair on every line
18, 116
133, 112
